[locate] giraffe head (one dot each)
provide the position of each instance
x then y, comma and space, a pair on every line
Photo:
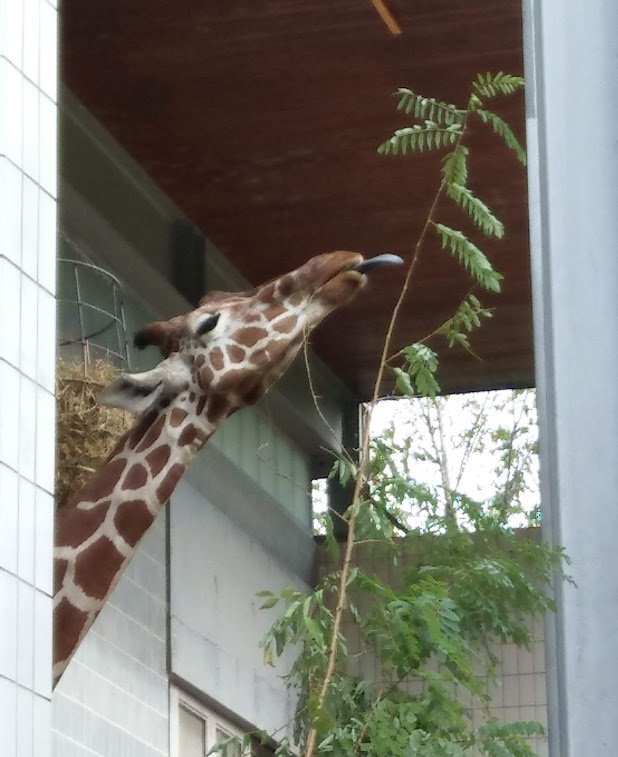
236, 345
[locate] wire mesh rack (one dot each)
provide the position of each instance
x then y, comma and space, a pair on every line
91, 314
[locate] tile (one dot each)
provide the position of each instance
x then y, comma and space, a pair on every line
11, 81
9, 414
538, 651
525, 660
46, 340
42, 644
28, 327
10, 210
31, 40
9, 311
11, 30
25, 723
8, 708
540, 689
25, 639
48, 51
26, 526
509, 659
27, 426
44, 542
9, 510
45, 440
8, 637
30, 133
526, 689
47, 236
510, 691
42, 735
30, 227
48, 147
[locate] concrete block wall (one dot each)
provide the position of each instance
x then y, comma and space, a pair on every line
519, 690
28, 93
113, 699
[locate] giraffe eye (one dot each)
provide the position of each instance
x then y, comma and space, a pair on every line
206, 323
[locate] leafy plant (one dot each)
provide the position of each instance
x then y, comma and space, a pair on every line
464, 577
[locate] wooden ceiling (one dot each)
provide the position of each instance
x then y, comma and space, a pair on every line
261, 121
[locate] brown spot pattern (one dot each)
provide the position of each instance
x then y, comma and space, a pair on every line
205, 377
68, 625
250, 335
177, 416
231, 379
60, 569
216, 358
191, 396
152, 435
103, 484
295, 299
97, 566
274, 311
217, 409
188, 435
286, 285
200, 405
158, 458
74, 526
132, 520
259, 357
235, 353
135, 478
200, 361
167, 486
141, 428
285, 324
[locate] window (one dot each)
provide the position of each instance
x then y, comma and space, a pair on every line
195, 729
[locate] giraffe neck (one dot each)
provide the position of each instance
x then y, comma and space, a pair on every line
98, 531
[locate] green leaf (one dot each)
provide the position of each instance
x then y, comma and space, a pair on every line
476, 209
417, 138
469, 255
490, 85
455, 166
428, 107
503, 130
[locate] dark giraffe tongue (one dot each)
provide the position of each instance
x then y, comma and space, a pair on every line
386, 258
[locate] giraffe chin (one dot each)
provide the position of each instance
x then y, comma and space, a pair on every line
342, 288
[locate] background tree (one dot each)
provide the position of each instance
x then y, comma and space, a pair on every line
471, 581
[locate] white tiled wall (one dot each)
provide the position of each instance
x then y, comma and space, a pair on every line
28, 159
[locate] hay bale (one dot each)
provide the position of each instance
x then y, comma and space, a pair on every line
86, 431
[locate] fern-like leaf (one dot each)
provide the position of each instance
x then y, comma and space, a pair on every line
476, 209
420, 368
503, 130
470, 257
417, 138
491, 85
466, 318
455, 166
429, 108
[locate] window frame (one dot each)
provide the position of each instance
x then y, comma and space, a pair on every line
212, 720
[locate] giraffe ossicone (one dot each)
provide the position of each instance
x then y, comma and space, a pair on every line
220, 357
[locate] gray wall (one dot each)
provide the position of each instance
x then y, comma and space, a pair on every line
571, 71
216, 569
28, 84
113, 698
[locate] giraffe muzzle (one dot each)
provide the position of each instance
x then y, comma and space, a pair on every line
386, 259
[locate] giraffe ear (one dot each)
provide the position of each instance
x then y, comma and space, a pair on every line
135, 392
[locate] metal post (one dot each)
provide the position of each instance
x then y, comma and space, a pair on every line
571, 54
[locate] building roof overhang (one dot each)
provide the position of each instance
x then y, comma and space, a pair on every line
261, 121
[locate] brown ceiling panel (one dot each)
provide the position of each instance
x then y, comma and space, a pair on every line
261, 121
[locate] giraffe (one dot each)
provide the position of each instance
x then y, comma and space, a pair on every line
218, 358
